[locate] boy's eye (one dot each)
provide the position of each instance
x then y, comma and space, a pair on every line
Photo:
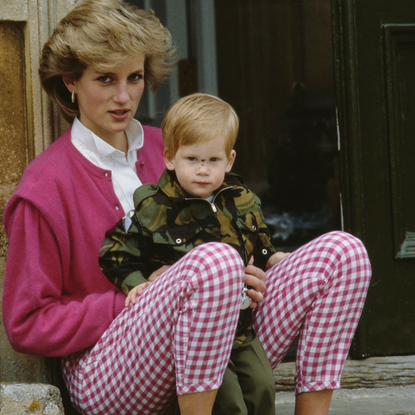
214, 159
191, 158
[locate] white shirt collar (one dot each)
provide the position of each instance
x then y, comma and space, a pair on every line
85, 139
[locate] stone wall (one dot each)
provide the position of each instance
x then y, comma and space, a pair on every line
28, 122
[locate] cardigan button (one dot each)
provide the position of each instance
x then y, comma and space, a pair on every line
142, 164
117, 207
106, 174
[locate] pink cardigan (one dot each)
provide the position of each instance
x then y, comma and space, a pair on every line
56, 300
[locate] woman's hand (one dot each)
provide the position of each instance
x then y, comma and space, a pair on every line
255, 280
137, 291
274, 259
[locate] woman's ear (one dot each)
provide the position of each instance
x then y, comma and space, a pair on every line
70, 84
231, 160
168, 159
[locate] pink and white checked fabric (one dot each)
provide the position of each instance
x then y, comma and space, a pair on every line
176, 339
318, 292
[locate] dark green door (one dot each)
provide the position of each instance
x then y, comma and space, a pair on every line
374, 54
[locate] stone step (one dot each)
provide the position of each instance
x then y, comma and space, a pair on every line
398, 400
377, 385
33, 398
373, 372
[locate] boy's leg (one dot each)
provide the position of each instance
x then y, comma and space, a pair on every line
248, 387
317, 291
229, 399
255, 376
177, 339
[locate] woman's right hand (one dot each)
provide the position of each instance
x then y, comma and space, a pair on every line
138, 290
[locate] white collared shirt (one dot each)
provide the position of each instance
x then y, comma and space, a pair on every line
124, 174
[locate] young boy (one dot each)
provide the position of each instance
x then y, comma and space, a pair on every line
198, 200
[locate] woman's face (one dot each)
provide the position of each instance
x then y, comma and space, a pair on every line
108, 101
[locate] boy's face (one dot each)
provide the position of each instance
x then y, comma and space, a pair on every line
201, 167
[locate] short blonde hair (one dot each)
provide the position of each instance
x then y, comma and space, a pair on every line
103, 34
199, 117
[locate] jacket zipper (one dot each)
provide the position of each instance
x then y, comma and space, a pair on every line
212, 203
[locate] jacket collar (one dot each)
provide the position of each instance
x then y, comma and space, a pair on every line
170, 186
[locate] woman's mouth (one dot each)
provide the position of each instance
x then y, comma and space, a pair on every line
120, 114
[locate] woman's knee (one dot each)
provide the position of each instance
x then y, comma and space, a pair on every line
345, 242
219, 255
350, 251
219, 261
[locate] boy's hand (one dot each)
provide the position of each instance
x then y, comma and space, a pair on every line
158, 272
255, 280
274, 259
137, 291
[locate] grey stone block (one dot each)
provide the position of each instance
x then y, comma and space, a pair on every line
30, 399
373, 372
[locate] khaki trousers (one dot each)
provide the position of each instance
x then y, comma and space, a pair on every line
248, 386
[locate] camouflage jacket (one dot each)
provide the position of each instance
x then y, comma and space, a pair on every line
167, 223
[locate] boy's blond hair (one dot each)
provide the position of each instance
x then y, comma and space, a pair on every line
103, 34
199, 117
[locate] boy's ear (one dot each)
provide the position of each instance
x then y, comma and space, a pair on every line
231, 160
168, 159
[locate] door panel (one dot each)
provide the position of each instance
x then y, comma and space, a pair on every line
374, 54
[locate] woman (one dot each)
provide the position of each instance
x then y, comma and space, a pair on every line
177, 339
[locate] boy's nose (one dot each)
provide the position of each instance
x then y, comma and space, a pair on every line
202, 169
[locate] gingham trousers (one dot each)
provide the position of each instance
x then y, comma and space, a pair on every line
178, 337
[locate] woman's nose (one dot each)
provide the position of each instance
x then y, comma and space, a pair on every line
121, 93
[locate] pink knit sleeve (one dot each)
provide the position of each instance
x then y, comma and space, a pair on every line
150, 163
35, 318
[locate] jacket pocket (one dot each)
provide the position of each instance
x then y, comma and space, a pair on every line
249, 225
177, 236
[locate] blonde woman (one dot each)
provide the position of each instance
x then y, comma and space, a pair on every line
172, 348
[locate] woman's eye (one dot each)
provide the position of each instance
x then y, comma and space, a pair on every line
136, 77
104, 79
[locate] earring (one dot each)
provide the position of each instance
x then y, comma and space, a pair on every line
73, 97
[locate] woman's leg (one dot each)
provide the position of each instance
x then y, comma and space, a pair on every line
176, 340
313, 403
318, 292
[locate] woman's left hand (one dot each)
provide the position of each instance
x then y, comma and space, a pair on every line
255, 280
